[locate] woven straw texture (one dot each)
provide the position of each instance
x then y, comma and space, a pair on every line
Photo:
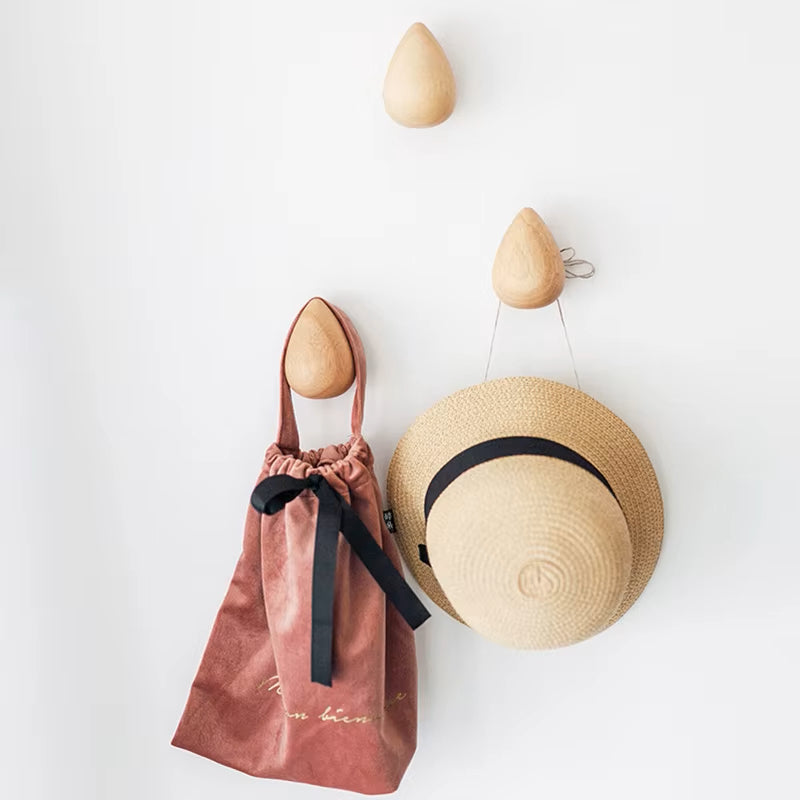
528, 527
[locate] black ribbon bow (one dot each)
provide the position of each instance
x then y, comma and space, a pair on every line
336, 514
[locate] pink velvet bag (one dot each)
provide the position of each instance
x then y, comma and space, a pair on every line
303, 596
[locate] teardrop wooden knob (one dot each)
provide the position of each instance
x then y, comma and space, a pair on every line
419, 90
319, 361
528, 271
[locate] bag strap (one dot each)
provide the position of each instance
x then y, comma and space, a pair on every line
288, 437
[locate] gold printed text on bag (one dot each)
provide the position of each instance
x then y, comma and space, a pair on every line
329, 714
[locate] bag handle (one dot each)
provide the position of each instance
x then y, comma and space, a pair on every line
288, 437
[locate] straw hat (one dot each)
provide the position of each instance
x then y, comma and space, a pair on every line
544, 516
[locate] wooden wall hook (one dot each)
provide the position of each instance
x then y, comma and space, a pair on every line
419, 90
319, 362
528, 270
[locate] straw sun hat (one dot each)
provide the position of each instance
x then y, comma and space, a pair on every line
544, 516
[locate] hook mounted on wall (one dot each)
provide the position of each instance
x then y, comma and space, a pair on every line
419, 90
319, 361
530, 270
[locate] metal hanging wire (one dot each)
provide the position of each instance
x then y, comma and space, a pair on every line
574, 267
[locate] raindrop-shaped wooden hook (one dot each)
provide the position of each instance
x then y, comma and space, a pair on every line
528, 270
419, 90
319, 361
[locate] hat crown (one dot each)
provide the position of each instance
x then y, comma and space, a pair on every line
531, 551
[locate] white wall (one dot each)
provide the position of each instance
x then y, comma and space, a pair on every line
178, 176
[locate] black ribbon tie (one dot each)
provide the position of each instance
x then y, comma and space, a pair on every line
336, 515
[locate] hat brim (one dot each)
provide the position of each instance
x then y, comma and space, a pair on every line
525, 407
